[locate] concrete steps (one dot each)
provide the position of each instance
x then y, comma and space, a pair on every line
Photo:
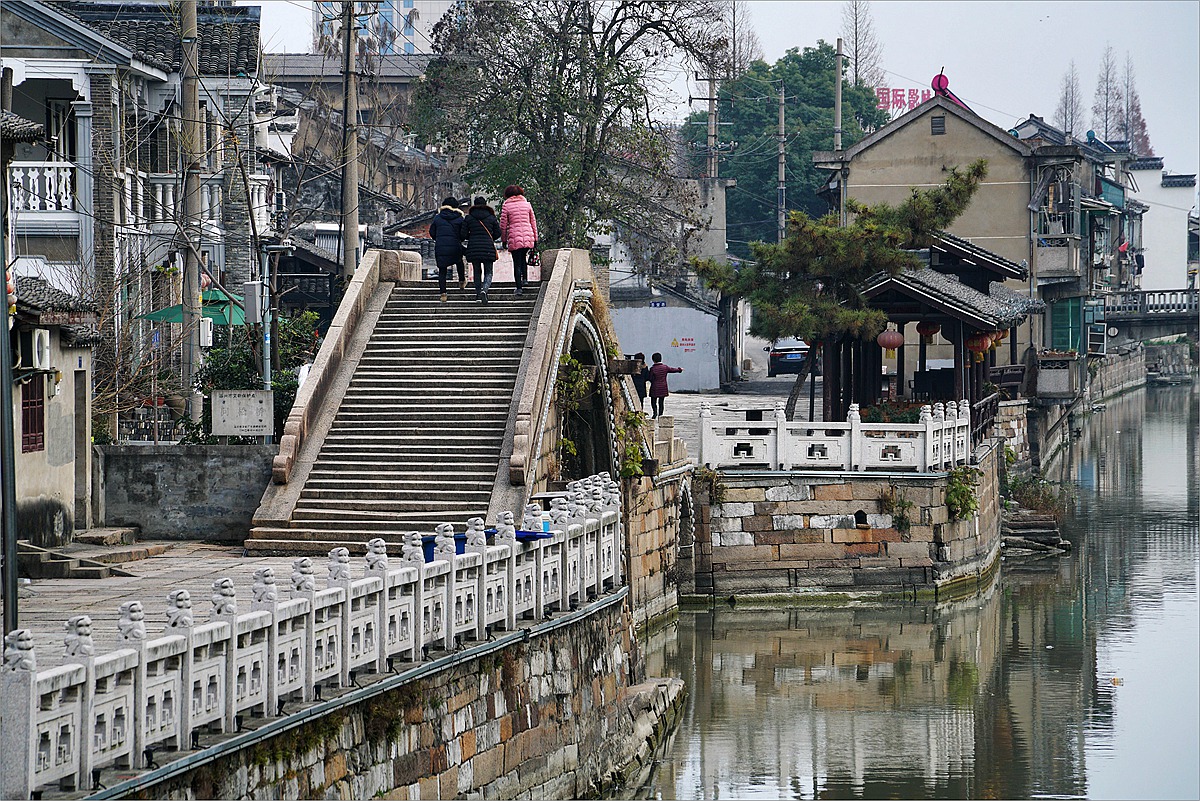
1023, 530
416, 440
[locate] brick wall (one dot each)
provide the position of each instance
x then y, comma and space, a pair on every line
1013, 425
799, 533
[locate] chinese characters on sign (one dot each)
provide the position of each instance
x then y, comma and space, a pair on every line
901, 99
687, 343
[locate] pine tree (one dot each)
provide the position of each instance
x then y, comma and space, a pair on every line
1069, 115
1107, 104
808, 285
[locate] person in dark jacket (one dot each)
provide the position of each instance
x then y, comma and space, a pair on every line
658, 384
446, 231
481, 229
641, 376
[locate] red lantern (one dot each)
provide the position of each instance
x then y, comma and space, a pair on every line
889, 340
927, 329
995, 337
978, 344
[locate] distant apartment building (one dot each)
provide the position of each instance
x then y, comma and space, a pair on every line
388, 27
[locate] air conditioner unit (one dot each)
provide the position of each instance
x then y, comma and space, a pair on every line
206, 332
41, 349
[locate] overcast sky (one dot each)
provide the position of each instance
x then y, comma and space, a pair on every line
1004, 59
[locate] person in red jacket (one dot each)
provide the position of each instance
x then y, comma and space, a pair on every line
518, 230
658, 383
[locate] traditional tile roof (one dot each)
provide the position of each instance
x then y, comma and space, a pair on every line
15, 128
964, 249
228, 34
950, 296
1178, 180
37, 295
1147, 163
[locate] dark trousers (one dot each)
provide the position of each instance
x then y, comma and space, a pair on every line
483, 275
520, 258
445, 265
656, 404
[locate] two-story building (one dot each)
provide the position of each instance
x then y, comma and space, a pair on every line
98, 202
1051, 203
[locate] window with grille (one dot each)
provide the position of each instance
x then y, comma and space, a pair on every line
33, 415
937, 125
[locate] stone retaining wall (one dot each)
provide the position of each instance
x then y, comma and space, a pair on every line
555, 716
779, 532
183, 492
1013, 425
1122, 369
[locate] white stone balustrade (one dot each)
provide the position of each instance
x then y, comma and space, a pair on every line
42, 186
261, 201
153, 695
940, 441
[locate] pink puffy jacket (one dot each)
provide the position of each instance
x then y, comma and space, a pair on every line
518, 226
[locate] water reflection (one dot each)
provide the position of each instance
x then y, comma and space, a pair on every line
1072, 676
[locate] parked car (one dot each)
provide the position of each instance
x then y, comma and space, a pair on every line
787, 356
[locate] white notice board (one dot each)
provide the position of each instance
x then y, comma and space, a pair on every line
243, 412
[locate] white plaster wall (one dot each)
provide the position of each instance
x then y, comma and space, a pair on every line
1164, 230
667, 330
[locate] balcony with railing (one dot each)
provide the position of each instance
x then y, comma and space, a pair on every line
42, 187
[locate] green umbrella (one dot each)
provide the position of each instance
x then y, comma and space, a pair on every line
218, 306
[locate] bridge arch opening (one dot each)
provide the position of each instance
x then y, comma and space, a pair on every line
587, 414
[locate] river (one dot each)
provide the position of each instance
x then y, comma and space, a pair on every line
1072, 676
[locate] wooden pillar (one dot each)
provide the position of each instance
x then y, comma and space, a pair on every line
959, 361
900, 364
832, 365
922, 361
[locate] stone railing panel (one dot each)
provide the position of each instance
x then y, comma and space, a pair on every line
939, 441
135, 704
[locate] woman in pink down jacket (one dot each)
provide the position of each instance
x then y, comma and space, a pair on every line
518, 231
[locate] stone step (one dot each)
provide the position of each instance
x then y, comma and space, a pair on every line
381, 493
383, 511
424, 523
108, 536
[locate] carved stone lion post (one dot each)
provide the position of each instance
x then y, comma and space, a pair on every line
18, 685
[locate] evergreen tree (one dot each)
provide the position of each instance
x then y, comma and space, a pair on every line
808, 286
749, 109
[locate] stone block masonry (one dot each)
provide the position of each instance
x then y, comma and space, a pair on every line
784, 532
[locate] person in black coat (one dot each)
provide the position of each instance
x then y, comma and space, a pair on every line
446, 231
480, 229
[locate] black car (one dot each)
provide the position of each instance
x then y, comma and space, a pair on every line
787, 356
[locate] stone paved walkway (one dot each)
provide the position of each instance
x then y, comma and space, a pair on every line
47, 603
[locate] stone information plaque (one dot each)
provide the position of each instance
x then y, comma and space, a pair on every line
243, 412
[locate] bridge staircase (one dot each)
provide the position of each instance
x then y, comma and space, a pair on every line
417, 436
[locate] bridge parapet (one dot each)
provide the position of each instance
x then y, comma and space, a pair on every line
64, 723
1152, 303
940, 441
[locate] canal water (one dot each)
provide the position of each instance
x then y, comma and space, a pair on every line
1072, 676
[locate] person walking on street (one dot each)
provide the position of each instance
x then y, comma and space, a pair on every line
481, 229
518, 230
658, 384
641, 376
446, 231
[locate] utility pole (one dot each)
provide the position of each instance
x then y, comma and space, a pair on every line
8, 482
781, 200
837, 133
193, 306
712, 127
349, 142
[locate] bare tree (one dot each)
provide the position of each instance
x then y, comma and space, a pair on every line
863, 49
1132, 123
1069, 115
744, 45
1107, 102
